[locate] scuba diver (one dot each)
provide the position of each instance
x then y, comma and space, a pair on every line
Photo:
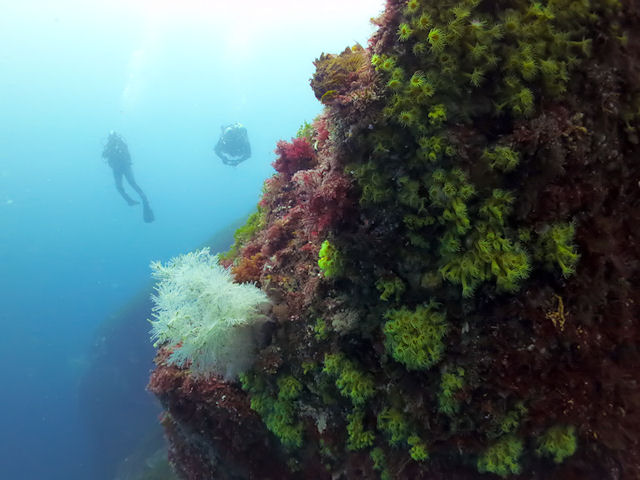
117, 154
233, 146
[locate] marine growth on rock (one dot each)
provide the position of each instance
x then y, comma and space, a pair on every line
451, 254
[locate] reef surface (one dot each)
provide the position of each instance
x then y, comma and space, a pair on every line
451, 253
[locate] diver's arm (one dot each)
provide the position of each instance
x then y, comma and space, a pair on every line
218, 149
107, 151
246, 153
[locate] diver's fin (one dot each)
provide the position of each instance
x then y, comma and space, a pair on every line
147, 213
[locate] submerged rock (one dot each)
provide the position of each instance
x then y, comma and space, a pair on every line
477, 182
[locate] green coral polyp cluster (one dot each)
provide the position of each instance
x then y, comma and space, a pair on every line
511, 421
524, 49
393, 423
502, 458
491, 254
306, 131
556, 247
397, 429
404, 32
277, 411
559, 442
380, 463
432, 169
358, 438
418, 450
390, 287
279, 417
329, 261
332, 71
245, 233
501, 158
449, 193
415, 337
351, 381
321, 329
450, 384
288, 387
376, 187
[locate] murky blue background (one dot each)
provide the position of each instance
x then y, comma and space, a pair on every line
165, 75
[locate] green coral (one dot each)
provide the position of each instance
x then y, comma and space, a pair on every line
321, 329
277, 411
329, 96
418, 450
396, 427
307, 132
358, 438
511, 421
380, 463
390, 287
449, 192
437, 115
308, 366
279, 417
556, 246
404, 32
377, 456
502, 458
497, 207
394, 424
330, 260
415, 337
492, 255
558, 442
409, 193
450, 384
413, 6
288, 387
244, 234
375, 185
332, 71
501, 158
352, 382
437, 39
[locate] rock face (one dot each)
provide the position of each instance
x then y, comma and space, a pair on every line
452, 254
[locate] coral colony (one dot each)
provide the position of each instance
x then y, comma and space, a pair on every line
450, 254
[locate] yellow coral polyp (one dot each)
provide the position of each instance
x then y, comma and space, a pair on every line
419, 49
394, 84
404, 32
413, 6
424, 22
417, 80
388, 64
407, 118
436, 39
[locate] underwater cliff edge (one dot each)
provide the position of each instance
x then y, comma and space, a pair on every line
451, 256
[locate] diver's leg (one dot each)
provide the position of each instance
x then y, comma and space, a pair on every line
147, 213
117, 176
128, 174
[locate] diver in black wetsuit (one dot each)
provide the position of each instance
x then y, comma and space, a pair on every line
117, 154
233, 146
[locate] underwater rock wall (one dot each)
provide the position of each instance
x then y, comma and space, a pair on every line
451, 251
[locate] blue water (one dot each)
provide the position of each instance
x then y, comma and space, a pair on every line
71, 251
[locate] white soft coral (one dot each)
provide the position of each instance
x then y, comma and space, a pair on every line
203, 316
